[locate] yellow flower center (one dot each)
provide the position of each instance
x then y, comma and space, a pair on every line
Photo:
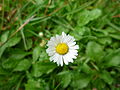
62, 48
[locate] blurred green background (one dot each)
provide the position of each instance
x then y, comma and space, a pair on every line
27, 25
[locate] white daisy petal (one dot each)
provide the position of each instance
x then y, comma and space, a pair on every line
65, 59
51, 49
71, 38
51, 53
73, 51
62, 49
57, 40
56, 57
74, 47
68, 39
71, 44
51, 58
61, 60
71, 54
63, 34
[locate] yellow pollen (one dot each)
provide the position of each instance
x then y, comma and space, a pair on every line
62, 48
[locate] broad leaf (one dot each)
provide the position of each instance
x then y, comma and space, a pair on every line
13, 41
80, 32
36, 53
112, 59
2, 49
94, 14
65, 78
23, 65
86, 16
115, 35
40, 68
86, 69
106, 77
36, 85
80, 81
4, 37
94, 50
10, 63
29, 43
18, 54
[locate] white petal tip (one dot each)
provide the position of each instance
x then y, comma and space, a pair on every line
63, 33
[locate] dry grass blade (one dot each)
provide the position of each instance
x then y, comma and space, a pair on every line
26, 22
47, 7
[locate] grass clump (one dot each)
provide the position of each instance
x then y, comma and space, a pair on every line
27, 25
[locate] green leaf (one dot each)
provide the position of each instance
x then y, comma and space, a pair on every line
32, 84
94, 14
18, 54
36, 85
112, 59
13, 41
80, 81
10, 63
36, 53
94, 50
98, 83
2, 49
115, 35
110, 30
3, 71
29, 43
106, 77
116, 45
39, 2
86, 69
43, 55
4, 36
23, 65
40, 68
65, 78
86, 16
79, 32
83, 18
9, 82
105, 40
59, 30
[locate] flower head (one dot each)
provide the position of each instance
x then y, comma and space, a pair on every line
62, 49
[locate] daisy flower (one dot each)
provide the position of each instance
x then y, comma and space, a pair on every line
62, 49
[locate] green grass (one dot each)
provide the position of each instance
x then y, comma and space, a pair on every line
24, 63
